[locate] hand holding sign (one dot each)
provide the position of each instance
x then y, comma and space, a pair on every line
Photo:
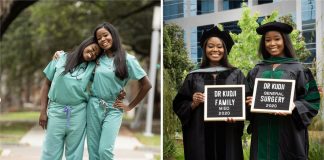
282, 113
230, 120
273, 96
249, 100
197, 98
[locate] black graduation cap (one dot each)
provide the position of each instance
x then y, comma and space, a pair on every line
215, 32
274, 26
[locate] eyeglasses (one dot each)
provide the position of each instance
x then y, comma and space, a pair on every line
76, 72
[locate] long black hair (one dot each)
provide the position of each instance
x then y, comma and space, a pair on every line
223, 62
76, 56
289, 50
117, 50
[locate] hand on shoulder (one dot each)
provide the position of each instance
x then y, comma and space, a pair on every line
58, 54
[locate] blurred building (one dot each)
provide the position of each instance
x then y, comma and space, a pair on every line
196, 15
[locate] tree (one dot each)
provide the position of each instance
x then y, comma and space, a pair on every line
176, 65
297, 39
10, 9
32, 38
175, 56
170, 121
244, 53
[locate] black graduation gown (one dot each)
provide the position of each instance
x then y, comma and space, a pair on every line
208, 140
284, 137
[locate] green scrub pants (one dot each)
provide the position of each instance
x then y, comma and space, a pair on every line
66, 125
103, 123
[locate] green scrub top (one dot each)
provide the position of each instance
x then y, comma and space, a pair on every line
106, 85
68, 89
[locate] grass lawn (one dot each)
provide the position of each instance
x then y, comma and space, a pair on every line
19, 116
11, 132
16, 124
179, 154
317, 136
157, 157
150, 141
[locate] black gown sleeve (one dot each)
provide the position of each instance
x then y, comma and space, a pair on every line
250, 78
307, 99
182, 101
242, 80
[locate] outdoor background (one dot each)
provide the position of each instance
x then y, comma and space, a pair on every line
178, 61
31, 32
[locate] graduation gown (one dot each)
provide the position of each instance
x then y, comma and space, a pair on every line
284, 137
208, 140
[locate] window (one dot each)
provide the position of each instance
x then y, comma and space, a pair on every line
309, 27
232, 4
264, 1
232, 26
194, 45
308, 10
205, 6
173, 9
196, 33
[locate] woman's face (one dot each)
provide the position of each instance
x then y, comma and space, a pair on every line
104, 38
214, 50
91, 52
274, 44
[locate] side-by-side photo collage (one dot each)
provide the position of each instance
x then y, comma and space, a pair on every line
162, 80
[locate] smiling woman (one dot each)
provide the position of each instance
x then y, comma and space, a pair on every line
91, 52
63, 101
274, 43
214, 50
216, 139
114, 69
279, 135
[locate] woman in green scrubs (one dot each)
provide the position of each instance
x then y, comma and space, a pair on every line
114, 69
64, 92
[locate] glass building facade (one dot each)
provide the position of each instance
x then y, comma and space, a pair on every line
205, 6
176, 8
232, 27
196, 33
308, 27
173, 9
190, 8
264, 1
233, 4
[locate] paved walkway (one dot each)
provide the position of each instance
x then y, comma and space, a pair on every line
30, 146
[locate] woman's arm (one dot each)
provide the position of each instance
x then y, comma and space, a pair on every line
145, 87
307, 102
44, 101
